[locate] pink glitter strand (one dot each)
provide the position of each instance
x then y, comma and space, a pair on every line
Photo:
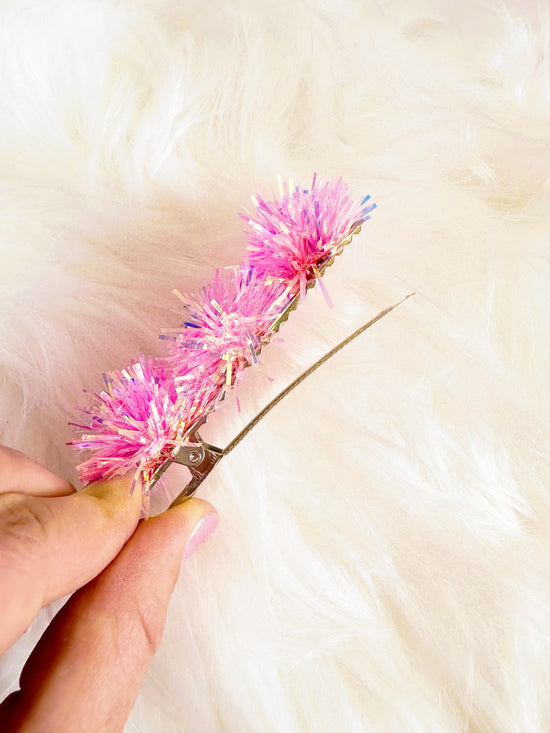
151, 408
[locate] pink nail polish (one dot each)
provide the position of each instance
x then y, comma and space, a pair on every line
202, 530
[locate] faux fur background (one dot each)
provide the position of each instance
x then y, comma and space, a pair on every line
383, 559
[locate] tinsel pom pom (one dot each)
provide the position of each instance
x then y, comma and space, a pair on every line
226, 325
295, 236
139, 419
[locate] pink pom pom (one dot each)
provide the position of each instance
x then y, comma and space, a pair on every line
226, 325
139, 420
298, 234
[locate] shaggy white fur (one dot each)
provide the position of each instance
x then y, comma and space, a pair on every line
383, 559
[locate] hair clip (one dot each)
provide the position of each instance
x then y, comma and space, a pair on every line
201, 457
149, 414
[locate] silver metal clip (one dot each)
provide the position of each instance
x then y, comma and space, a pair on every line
200, 458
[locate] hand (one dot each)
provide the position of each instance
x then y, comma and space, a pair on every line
86, 670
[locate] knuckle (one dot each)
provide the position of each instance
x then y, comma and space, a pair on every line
150, 625
23, 530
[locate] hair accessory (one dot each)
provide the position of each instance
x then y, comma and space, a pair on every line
149, 413
201, 457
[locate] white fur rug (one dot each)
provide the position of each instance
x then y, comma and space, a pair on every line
383, 559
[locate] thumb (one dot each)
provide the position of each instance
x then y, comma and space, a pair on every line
87, 669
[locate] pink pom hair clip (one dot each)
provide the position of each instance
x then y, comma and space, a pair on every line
149, 414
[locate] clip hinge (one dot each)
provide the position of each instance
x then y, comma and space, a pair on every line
200, 458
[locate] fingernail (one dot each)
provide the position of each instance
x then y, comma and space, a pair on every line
203, 529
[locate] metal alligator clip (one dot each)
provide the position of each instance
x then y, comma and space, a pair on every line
201, 458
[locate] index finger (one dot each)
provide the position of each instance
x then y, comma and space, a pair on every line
51, 546
21, 474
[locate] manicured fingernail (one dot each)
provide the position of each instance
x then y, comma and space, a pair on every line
203, 529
